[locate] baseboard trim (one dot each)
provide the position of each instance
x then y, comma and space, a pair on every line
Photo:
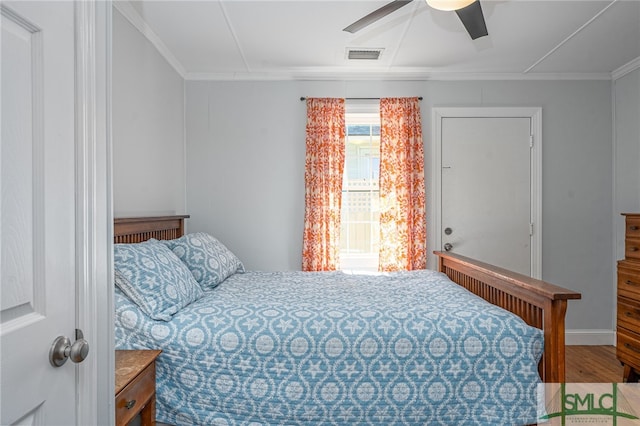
590, 337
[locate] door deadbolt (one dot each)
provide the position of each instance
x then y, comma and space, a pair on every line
62, 349
448, 231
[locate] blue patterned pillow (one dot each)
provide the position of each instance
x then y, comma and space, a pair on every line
154, 278
208, 259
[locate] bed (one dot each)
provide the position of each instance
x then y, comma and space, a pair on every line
334, 348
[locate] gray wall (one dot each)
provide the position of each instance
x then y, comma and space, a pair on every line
148, 127
245, 170
627, 153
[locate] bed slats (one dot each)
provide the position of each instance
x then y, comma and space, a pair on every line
529, 312
138, 229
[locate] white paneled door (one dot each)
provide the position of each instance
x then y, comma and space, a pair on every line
37, 211
486, 190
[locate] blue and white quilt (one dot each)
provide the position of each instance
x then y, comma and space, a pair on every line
271, 348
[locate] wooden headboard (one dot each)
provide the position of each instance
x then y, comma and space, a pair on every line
139, 229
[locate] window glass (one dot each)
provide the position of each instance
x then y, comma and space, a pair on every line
360, 222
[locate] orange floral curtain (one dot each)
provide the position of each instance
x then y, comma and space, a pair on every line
403, 235
324, 166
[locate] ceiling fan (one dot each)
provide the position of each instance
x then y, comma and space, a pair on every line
469, 12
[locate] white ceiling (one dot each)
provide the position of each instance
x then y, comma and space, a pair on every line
303, 39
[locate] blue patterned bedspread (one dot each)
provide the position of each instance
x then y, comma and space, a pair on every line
332, 348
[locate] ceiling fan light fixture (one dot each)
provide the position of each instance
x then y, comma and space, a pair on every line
449, 5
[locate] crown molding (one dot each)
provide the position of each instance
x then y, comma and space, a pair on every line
626, 69
403, 75
127, 10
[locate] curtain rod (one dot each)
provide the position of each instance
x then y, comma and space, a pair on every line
303, 98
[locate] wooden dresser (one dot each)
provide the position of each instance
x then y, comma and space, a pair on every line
628, 320
136, 386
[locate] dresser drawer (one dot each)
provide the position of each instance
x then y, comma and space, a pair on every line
632, 248
135, 395
628, 280
632, 226
628, 314
628, 347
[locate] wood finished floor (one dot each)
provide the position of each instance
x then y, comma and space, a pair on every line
592, 364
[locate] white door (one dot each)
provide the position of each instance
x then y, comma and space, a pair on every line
486, 190
37, 214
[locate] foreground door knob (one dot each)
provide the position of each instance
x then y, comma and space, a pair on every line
62, 349
448, 246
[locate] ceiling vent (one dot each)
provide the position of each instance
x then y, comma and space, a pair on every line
367, 54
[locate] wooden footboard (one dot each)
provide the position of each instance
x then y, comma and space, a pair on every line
538, 303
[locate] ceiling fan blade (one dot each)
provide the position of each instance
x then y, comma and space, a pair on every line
473, 20
376, 15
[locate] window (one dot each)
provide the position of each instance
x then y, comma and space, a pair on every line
368, 205
360, 221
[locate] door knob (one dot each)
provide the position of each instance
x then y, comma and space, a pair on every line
62, 349
448, 247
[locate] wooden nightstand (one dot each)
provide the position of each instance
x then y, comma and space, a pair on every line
136, 386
